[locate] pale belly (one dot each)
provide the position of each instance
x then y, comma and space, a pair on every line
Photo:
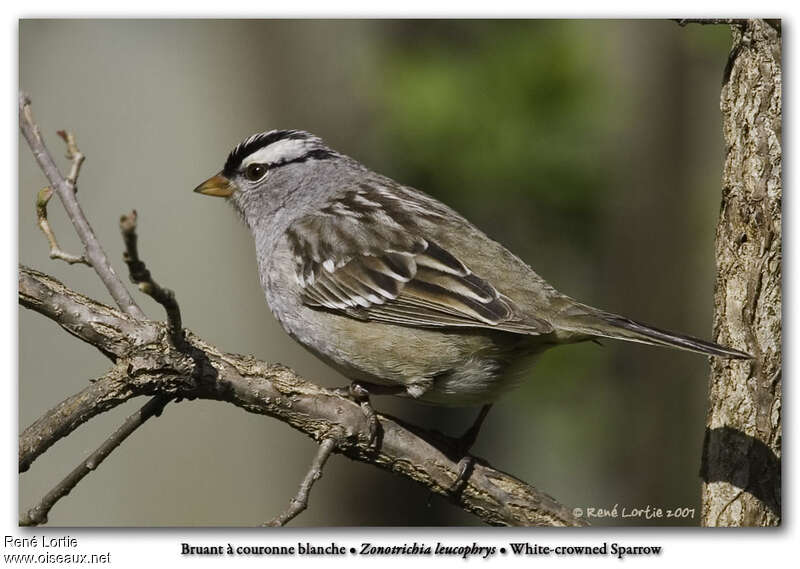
452, 368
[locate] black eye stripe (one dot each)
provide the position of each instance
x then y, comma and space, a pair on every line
318, 154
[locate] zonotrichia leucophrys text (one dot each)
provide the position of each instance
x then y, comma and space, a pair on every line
393, 288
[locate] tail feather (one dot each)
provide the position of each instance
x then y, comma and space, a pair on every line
618, 327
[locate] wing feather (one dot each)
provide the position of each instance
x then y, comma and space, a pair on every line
354, 258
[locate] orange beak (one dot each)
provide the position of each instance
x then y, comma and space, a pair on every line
217, 185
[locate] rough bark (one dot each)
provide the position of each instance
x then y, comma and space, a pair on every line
742, 451
146, 362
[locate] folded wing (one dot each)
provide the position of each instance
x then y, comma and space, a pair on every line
356, 257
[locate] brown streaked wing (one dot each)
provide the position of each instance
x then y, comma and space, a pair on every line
362, 256
405, 289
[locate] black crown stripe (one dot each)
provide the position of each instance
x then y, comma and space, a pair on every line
250, 145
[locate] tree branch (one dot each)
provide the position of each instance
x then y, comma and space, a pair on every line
73, 154
107, 392
142, 277
300, 502
37, 515
108, 330
144, 351
56, 252
66, 192
100, 396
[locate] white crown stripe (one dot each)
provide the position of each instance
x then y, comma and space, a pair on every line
280, 151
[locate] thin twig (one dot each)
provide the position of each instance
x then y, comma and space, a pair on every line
300, 502
73, 154
37, 515
95, 257
93, 251
56, 252
140, 276
44, 195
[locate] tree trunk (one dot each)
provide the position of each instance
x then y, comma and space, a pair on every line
741, 467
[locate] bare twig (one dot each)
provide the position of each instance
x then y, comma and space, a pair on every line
73, 154
37, 515
44, 195
300, 501
140, 276
65, 190
95, 398
154, 365
56, 252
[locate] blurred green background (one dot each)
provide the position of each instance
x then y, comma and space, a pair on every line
592, 149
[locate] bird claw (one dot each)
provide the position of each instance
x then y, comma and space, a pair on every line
463, 444
360, 395
465, 467
372, 424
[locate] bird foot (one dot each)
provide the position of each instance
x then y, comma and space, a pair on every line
465, 467
462, 445
360, 395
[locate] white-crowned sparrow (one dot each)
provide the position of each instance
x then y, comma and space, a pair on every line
393, 288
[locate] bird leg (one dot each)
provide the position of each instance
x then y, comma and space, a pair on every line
463, 445
359, 392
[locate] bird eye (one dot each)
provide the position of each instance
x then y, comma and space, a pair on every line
255, 172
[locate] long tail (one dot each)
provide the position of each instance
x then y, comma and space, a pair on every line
605, 324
